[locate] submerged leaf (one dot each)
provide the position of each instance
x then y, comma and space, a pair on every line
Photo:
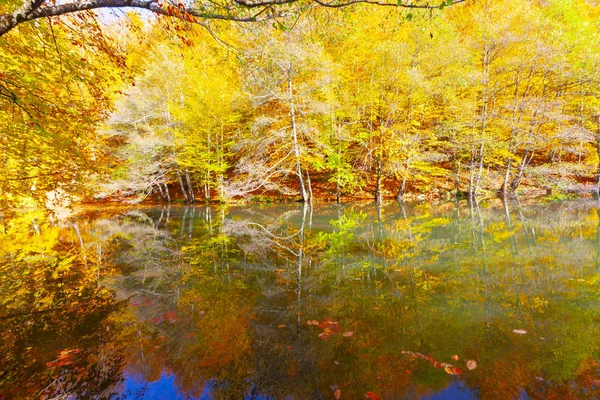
471, 365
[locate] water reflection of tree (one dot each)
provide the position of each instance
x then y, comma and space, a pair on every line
222, 296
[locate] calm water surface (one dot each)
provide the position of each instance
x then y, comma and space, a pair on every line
488, 301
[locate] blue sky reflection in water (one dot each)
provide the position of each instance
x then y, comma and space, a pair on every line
467, 301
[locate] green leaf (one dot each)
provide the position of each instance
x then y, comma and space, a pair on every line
408, 16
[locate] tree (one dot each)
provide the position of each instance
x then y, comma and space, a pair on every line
231, 10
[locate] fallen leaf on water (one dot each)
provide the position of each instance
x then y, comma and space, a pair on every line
471, 365
337, 394
324, 335
455, 357
281, 326
519, 331
347, 334
171, 316
64, 358
371, 396
453, 370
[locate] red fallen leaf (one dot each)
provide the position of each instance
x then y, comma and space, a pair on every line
455, 357
453, 370
58, 363
157, 320
347, 334
437, 365
281, 326
471, 365
325, 324
371, 396
190, 335
289, 347
408, 372
337, 394
315, 322
171, 316
64, 353
596, 382
324, 335
298, 313
64, 358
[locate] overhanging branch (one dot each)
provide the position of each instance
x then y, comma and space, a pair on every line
34, 9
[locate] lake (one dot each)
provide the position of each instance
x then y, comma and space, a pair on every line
407, 301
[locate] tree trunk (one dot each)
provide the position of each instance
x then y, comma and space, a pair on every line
167, 192
514, 185
401, 191
189, 185
309, 184
378, 194
185, 197
598, 152
303, 191
160, 190
504, 189
456, 174
475, 181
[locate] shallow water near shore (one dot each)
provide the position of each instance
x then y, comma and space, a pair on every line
406, 301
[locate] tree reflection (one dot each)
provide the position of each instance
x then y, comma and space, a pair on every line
227, 301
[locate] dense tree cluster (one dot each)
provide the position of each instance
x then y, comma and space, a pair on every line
480, 98
475, 99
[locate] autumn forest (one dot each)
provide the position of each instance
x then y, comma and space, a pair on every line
299, 199
478, 99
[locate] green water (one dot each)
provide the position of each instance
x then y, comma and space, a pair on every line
452, 301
